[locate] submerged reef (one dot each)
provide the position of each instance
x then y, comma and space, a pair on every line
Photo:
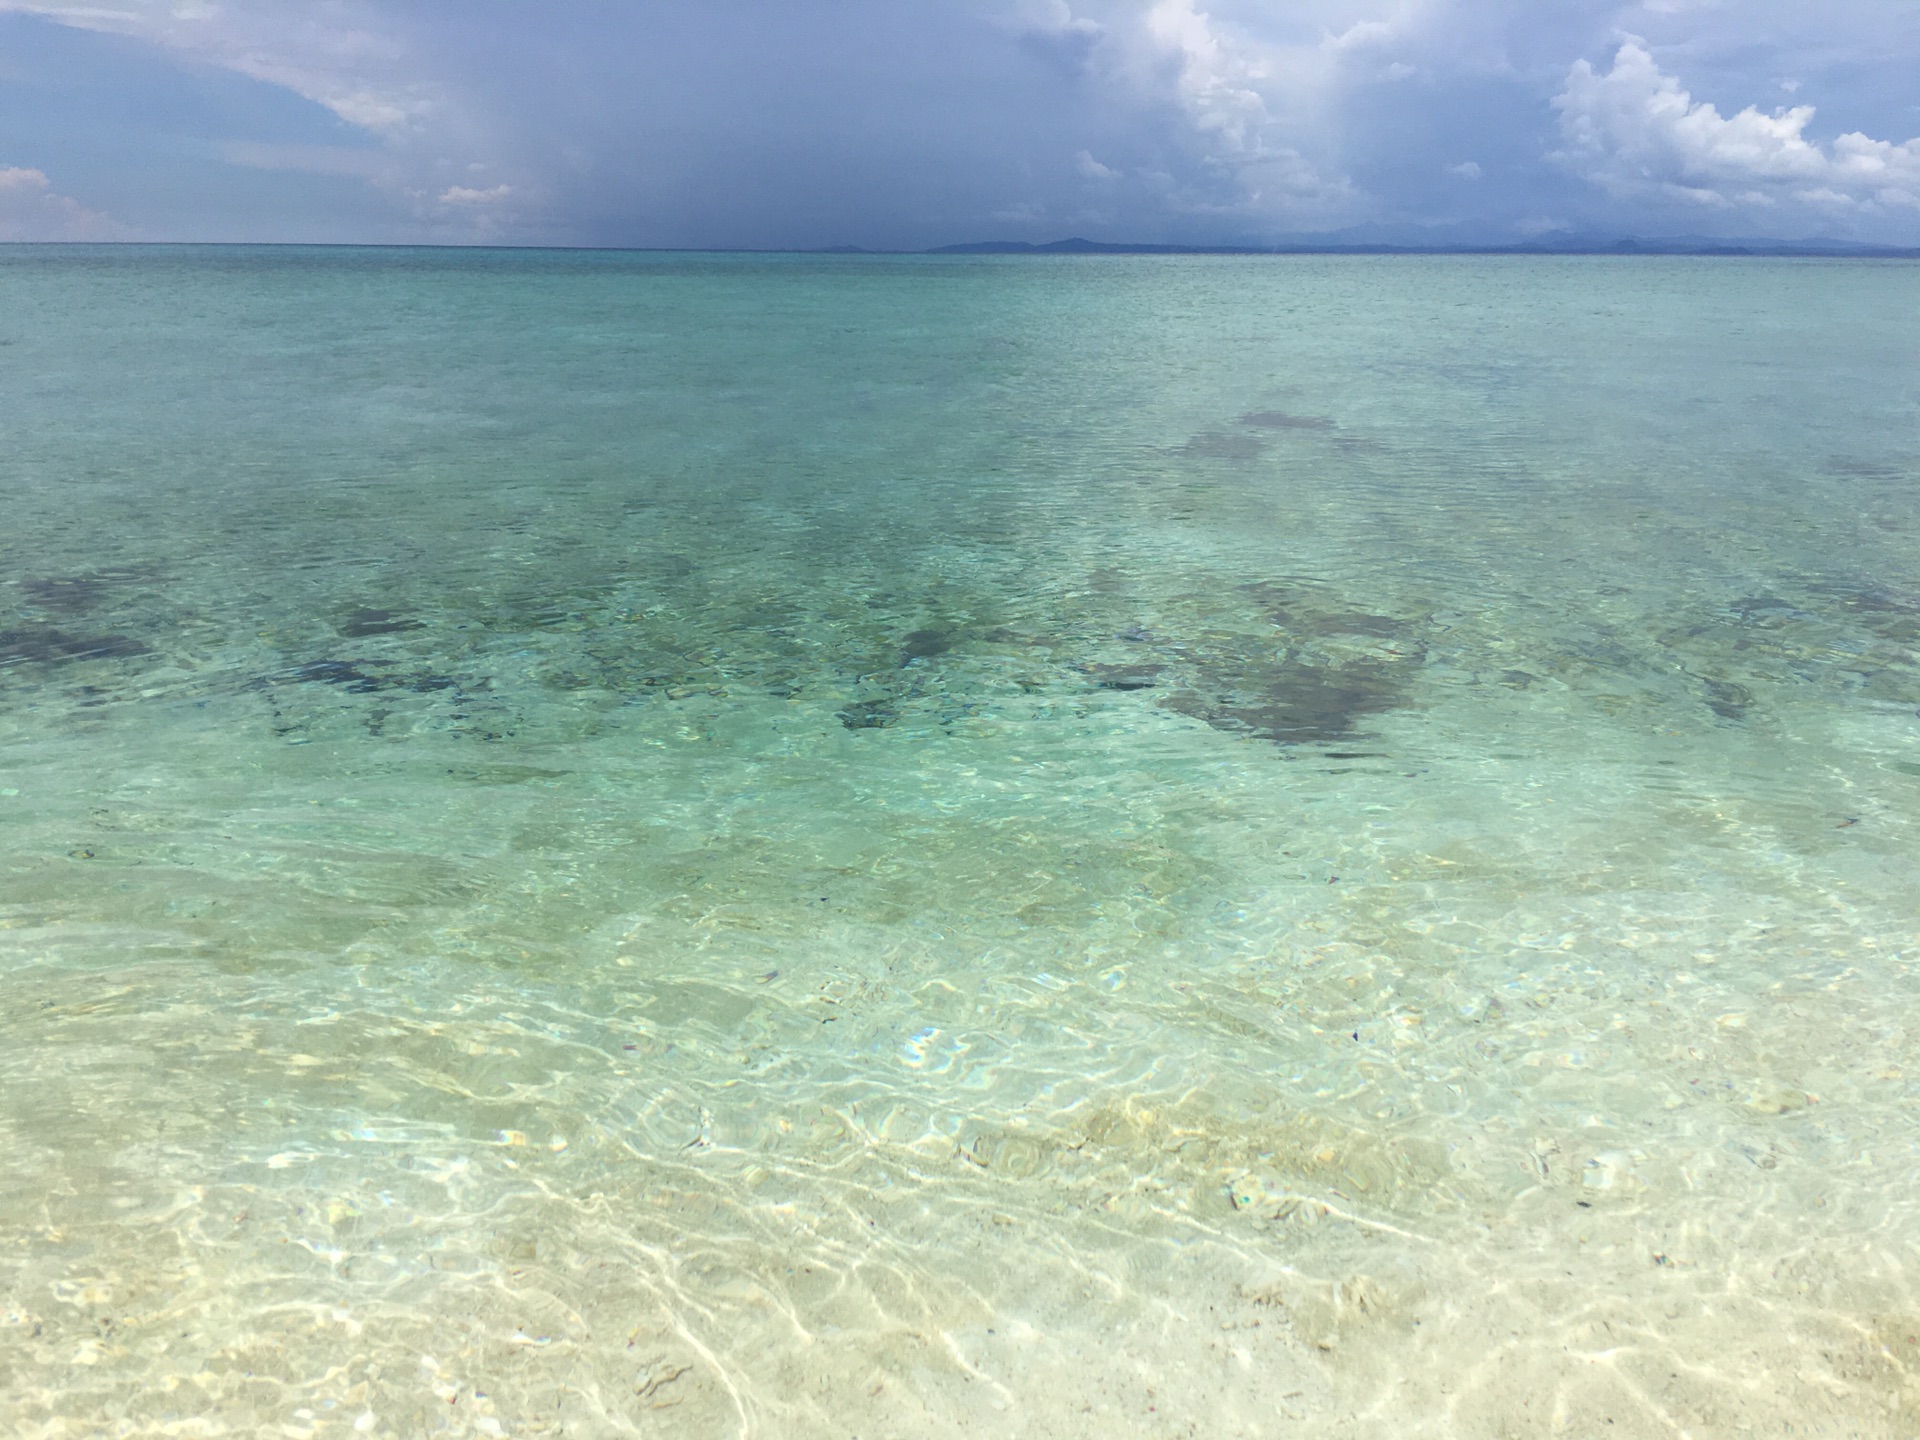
862, 641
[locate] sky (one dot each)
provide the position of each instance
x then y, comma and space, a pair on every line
904, 124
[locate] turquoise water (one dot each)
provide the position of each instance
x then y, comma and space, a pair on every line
702, 846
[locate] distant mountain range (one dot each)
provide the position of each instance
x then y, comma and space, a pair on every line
1348, 244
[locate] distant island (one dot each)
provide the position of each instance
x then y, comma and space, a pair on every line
1561, 244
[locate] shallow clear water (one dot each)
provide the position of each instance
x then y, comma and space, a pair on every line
678, 845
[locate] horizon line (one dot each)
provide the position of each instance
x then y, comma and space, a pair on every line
1625, 247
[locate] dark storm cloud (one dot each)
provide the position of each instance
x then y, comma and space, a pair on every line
869, 122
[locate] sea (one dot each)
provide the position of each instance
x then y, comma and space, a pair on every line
706, 845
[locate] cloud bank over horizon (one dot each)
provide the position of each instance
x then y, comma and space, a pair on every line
810, 123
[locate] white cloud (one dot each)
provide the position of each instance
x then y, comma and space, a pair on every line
1257, 106
1214, 111
1052, 18
1466, 170
466, 195
366, 61
31, 209
340, 54
1362, 33
1634, 131
1219, 79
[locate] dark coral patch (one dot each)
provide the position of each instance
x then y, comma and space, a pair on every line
1125, 677
1216, 446
367, 621
1325, 671
1727, 700
77, 594
925, 644
69, 595
1295, 704
45, 645
1303, 615
1281, 420
359, 680
1887, 613
868, 715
